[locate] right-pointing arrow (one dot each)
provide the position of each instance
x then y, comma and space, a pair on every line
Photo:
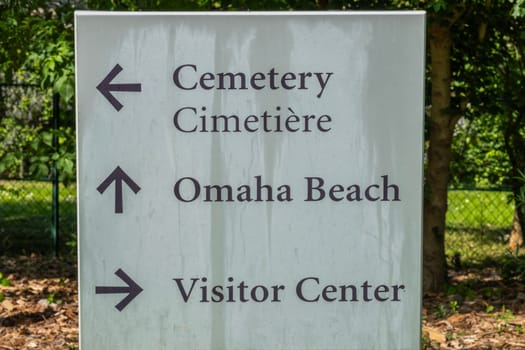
132, 288
118, 176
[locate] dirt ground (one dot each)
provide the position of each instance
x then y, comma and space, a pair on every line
39, 308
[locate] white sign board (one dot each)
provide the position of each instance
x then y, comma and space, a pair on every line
250, 180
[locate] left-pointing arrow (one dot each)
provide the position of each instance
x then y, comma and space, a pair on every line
106, 87
132, 288
118, 176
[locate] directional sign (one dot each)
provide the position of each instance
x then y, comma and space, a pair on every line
106, 87
118, 176
254, 179
132, 290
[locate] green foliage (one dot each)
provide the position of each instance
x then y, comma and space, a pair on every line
36, 47
438, 5
52, 299
506, 314
519, 9
492, 292
443, 311
480, 46
199, 5
27, 140
52, 54
37, 44
4, 281
513, 267
454, 306
462, 289
479, 157
489, 308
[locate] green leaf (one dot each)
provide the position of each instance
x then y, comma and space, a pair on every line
4, 282
42, 170
439, 5
47, 138
65, 87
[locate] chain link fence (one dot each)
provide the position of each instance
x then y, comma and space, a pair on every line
478, 210
37, 213
26, 218
478, 226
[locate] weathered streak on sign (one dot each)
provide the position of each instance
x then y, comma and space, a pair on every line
250, 180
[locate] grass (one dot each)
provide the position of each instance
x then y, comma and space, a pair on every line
478, 227
479, 210
26, 216
476, 249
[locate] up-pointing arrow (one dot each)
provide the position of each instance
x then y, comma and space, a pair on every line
132, 288
118, 176
106, 87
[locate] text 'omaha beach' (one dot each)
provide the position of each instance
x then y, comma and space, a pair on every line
316, 189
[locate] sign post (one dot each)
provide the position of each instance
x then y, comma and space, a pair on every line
250, 180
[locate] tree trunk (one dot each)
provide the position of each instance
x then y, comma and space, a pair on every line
516, 234
439, 155
515, 145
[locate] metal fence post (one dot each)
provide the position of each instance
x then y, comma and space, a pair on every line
54, 173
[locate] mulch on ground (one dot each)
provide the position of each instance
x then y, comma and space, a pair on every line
39, 309
479, 310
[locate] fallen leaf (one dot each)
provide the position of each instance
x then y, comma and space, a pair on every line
8, 305
456, 319
434, 335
